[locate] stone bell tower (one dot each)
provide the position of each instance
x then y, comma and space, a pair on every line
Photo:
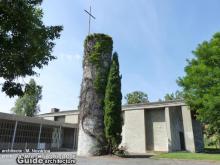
96, 64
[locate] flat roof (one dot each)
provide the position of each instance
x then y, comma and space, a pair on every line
150, 105
35, 120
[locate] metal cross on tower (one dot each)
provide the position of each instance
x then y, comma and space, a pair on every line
90, 16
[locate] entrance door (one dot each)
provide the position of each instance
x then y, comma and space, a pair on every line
182, 141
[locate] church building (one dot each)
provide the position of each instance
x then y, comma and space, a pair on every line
158, 126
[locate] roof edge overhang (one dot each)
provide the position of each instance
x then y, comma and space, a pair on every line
151, 105
35, 120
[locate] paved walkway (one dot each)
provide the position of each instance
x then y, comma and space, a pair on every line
6, 159
140, 161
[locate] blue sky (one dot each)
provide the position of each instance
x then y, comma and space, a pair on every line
152, 37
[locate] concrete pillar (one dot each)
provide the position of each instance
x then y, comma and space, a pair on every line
14, 134
38, 141
74, 140
77, 135
188, 129
168, 127
74, 132
59, 138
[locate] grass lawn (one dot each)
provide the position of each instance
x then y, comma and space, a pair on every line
192, 156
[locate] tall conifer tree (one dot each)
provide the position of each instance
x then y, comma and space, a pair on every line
113, 96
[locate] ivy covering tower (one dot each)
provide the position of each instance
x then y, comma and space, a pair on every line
113, 96
96, 65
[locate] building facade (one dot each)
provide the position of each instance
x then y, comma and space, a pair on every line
159, 126
21, 132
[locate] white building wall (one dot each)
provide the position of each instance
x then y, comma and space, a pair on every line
134, 131
176, 125
156, 130
73, 119
188, 129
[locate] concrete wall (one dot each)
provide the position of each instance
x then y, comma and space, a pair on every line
176, 123
134, 131
73, 119
156, 131
188, 129
168, 128
198, 136
161, 129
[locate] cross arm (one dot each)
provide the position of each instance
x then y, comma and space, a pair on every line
89, 14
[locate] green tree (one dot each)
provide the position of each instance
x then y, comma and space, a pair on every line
201, 84
136, 97
25, 42
27, 105
112, 109
178, 95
